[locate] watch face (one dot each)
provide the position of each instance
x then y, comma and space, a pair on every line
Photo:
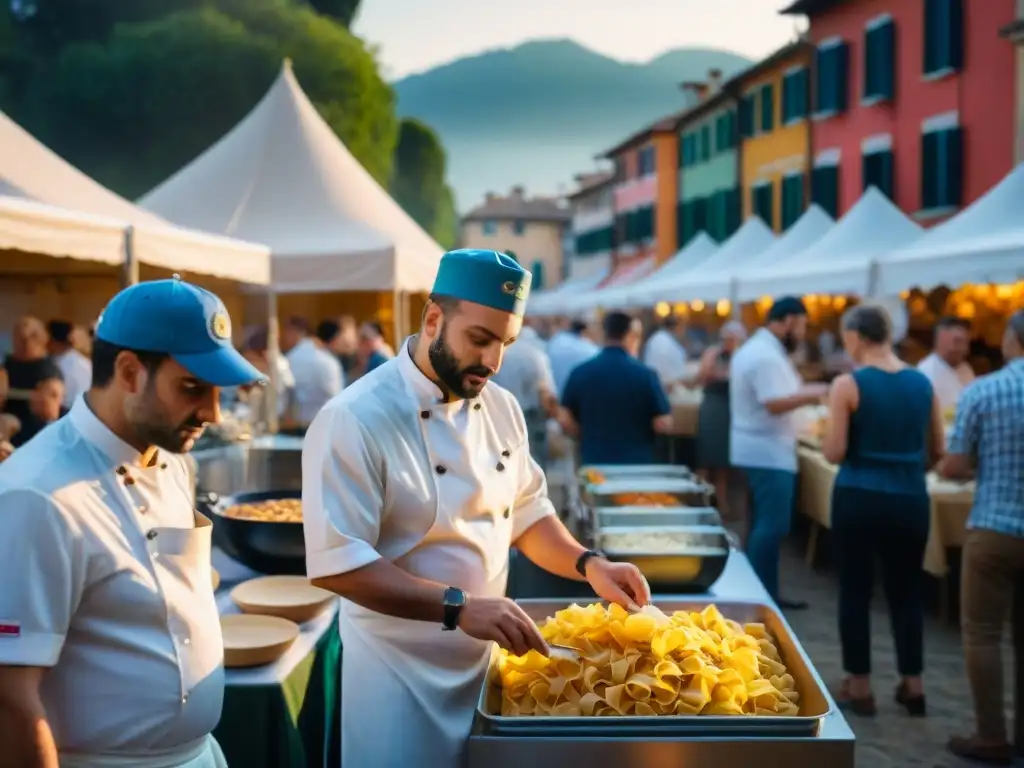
454, 597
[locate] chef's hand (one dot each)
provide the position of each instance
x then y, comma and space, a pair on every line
6, 449
501, 620
620, 583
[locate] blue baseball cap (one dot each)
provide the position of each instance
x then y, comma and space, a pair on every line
490, 278
181, 320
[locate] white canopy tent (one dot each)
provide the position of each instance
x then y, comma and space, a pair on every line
647, 292
282, 177
711, 280
982, 244
840, 262
554, 302
49, 207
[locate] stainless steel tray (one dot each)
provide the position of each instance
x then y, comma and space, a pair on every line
696, 561
814, 702
654, 517
629, 471
620, 493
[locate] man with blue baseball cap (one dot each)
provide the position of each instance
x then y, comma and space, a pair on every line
417, 480
111, 651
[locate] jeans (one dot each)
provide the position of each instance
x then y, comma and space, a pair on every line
992, 588
892, 528
771, 511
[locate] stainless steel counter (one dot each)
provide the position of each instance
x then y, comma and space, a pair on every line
267, 463
833, 746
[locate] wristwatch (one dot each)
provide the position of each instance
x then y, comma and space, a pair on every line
581, 563
454, 600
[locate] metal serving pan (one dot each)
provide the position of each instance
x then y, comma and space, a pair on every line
814, 702
271, 548
655, 517
630, 471
631, 492
695, 563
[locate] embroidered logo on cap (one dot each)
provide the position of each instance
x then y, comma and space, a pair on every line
508, 287
10, 629
220, 326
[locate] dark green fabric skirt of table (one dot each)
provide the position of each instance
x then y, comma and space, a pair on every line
292, 724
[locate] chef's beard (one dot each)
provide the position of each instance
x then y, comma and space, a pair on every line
149, 421
451, 372
790, 342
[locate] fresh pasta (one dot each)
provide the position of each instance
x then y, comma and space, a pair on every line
646, 664
645, 499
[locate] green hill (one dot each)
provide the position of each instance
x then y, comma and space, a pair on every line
536, 114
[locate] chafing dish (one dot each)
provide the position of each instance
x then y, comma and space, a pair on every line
689, 557
647, 492
655, 517
596, 473
270, 461
814, 702
267, 547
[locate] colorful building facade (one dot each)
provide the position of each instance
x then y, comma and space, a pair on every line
775, 136
708, 172
593, 224
1014, 32
914, 97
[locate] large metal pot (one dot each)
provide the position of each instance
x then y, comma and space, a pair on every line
270, 548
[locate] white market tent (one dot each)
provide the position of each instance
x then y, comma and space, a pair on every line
984, 243
49, 207
647, 292
712, 280
554, 302
841, 262
282, 177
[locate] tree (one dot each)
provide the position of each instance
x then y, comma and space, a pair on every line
135, 110
417, 181
342, 11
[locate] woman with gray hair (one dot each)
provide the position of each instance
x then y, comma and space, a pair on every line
714, 420
881, 416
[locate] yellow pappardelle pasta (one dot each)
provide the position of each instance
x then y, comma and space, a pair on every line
642, 664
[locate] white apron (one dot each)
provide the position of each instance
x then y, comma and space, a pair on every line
409, 689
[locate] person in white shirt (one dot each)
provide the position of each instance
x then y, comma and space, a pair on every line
416, 481
567, 349
75, 368
257, 352
111, 652
665, 354
947, 367
764, 391
526, 373
317, 372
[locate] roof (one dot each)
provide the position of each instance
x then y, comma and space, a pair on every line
809, 7
663, 125
591, 182
520, 208
719, 98
1013, 31
773, 60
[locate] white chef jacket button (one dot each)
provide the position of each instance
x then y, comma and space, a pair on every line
507, 513
186, 641
477, 407
151, 534
424, 414
143, 509
506, 454
184, 699
500, 467
440, 469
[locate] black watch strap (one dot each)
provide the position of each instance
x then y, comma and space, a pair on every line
581, 563
454, 601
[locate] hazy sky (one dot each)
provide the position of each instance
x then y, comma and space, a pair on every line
415, 35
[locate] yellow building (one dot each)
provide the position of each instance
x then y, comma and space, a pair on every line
533, 229
775, 137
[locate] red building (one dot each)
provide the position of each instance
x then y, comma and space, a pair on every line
916, 97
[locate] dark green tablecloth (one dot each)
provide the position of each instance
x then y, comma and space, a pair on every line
293, 724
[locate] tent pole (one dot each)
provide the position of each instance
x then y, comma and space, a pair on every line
396, 315
130, 267
273, 354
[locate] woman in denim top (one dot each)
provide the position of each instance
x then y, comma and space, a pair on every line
886, 425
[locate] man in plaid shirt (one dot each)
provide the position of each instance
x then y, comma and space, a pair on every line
988, 441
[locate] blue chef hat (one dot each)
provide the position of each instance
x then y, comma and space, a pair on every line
181, 320
490, 278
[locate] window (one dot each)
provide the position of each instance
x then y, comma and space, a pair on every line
794, 200
518, 227
489, 227
761, 202
767, 108
722, 213
620, 169
825, 188
705, 142
879, 60
725, 131
746, 115
833, 73
877, 170
942, 167
595, 241
795, 95
943, 36
537, 270
645, 162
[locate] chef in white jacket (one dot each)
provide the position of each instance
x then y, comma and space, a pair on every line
416, 481
666, 355
111, 653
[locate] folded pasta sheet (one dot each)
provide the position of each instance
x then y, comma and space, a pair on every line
640, 664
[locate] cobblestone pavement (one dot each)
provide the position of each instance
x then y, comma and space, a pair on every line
892, 739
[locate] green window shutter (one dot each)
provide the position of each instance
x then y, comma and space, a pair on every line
763, 203
793, 200
746, 116
538, 276
877, 171
705, 142
767, 108
824, 83
825, 188
879, 61
942, 168
943, 36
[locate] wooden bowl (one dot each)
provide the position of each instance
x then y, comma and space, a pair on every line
252, 641
288, 597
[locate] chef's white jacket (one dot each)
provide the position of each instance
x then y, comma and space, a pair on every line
666, 356
947, 382
318, 377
